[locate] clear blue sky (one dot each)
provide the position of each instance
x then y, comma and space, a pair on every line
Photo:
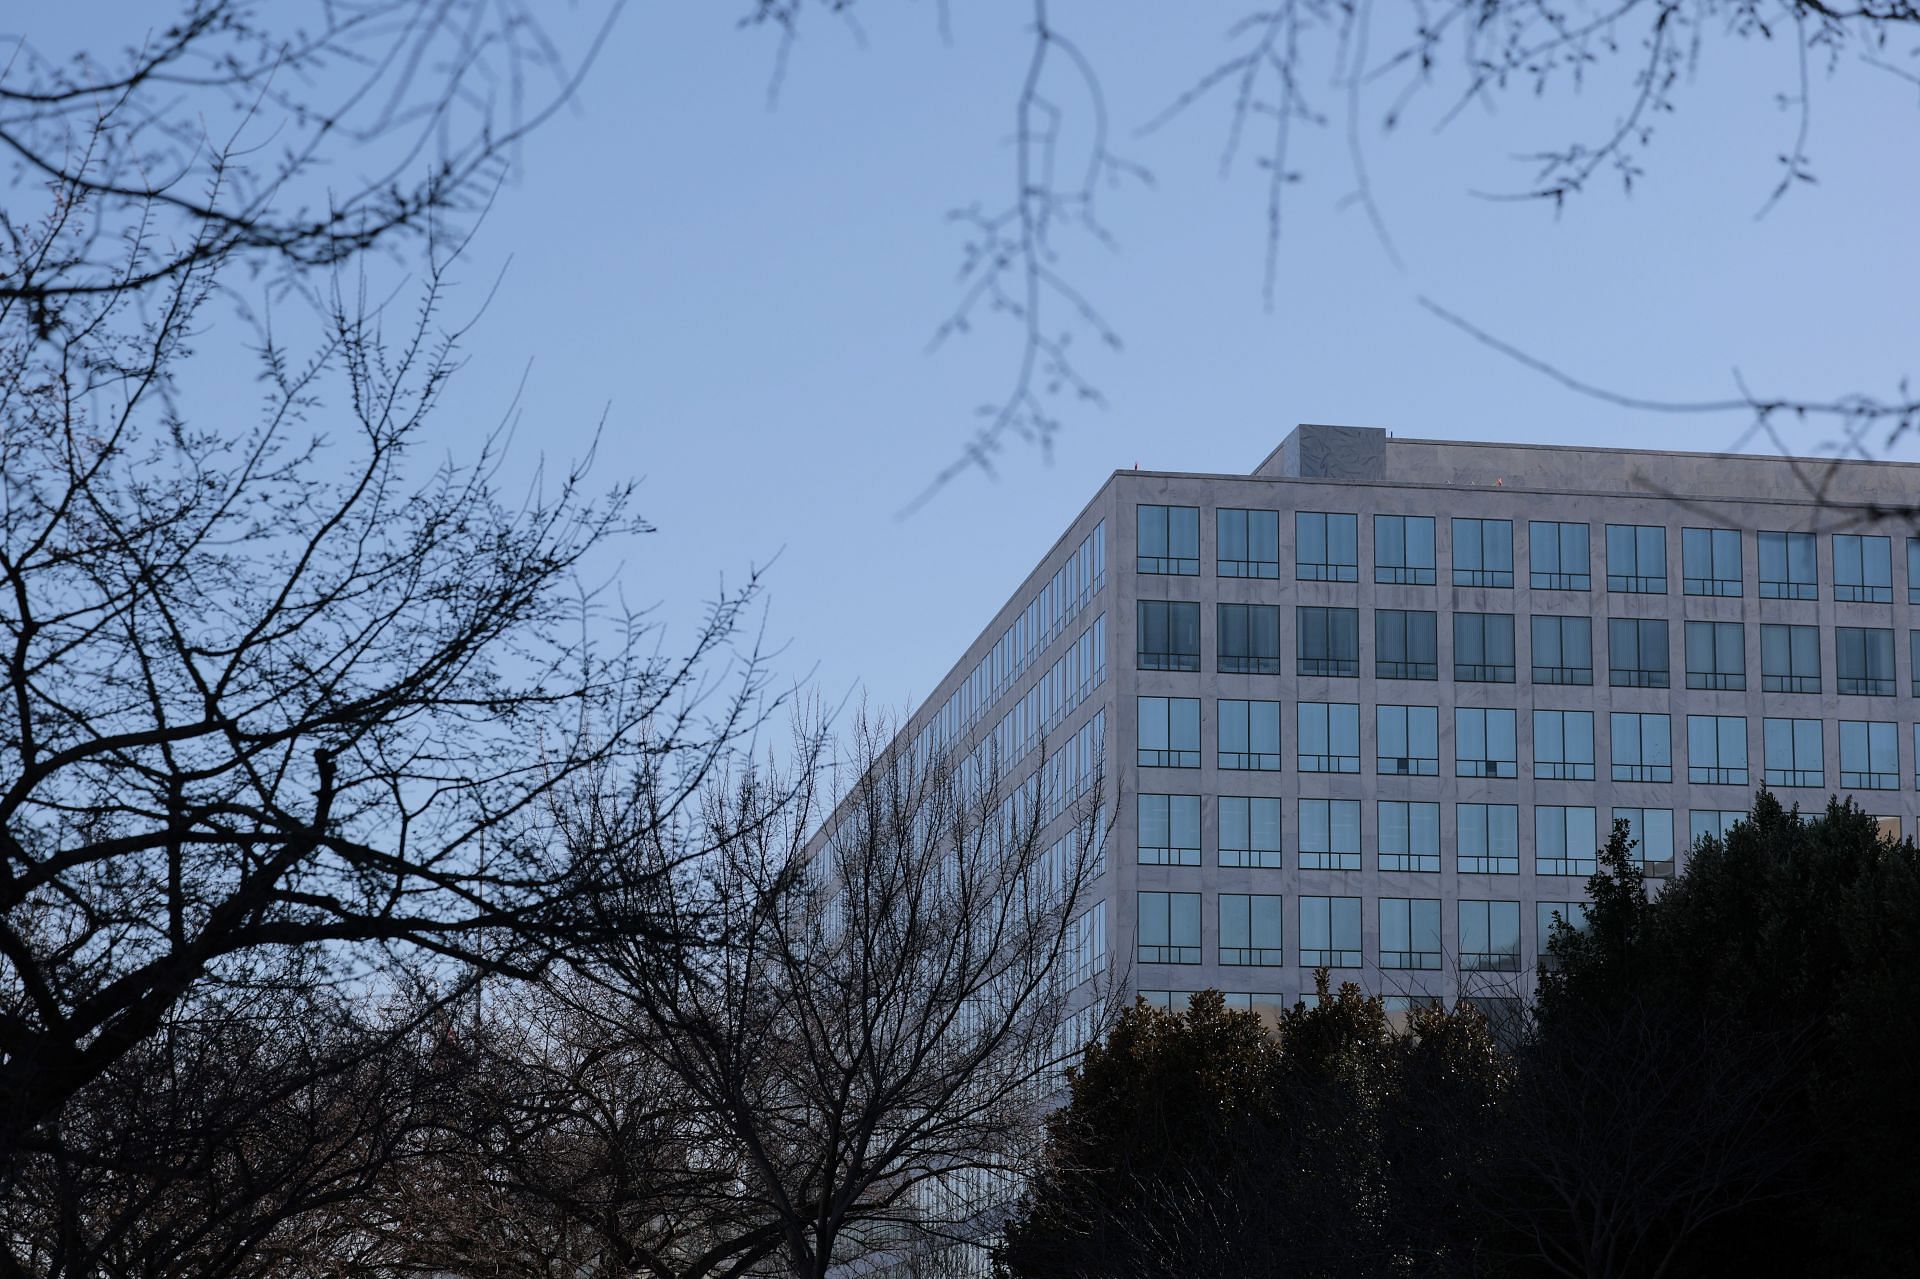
748, 294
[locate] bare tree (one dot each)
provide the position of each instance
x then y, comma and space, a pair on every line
876, 1015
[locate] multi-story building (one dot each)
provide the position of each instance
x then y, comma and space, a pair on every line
1374, 706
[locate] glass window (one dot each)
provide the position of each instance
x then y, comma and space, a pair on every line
1169, 830
1869, 755
1863, 568
1326, 548
1247, 543
1487, 837
1483, 647
1793, 751
1716, 655
1637, 652
1562, 650
1329, 737
1913, 659
1169, 928
1410, 933
1710, 561
1169, 539
1249, 639
1329, 834
1712, 823
1565, 841
1651, 830
1327, 641
1250, 832
1863, 660
1250, 930
1408, 740
1549, 914
1483, 743
1913, 570
1789, 658
1329, 932
1249, 735
1482, 552
1786, 566
1403, 549
1717, 750
1169, 636
1169, 732
1490, 936
1406, 645
1268, 1006
1409, 836
1563, 745
1558, 556
1642, 747
1916, 756
1637, 559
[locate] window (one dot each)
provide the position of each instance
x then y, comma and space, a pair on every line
1651, 829
1793, 752
1408, 741
1169, 539
1716, 655
1710, 561
1483, 647
1169, 732
1268, 1006
1169, 636
1250, 832
1642, 747
1409, 836
1490, 936
1717, 750
1889, 828
1558, 556
1637, 559
1487, 838
1169, 928
1329, 737
1786, 567
1410, 933
1913, 570
1250, 930
1328, 641
1326, 548
1564, 841
1637, 652
1329, 932
1483, 743
1169, 830
1913, 659
1789, 658
1715, 823
1869, 755
1562, 650
1548, 914
1403, 549
1329, 834
1863, 660
1406, 645
1249, 735
1563, 745
1247, 543
1863, 568
1482, 552
1086, 945
1249, 639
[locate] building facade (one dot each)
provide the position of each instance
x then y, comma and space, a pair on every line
1373, 707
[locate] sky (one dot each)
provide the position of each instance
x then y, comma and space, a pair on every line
739, 296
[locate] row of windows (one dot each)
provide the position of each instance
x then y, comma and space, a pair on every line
1566, 837
1327, 549
1406, 646
1052, 609
1250, 931
1486, 744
